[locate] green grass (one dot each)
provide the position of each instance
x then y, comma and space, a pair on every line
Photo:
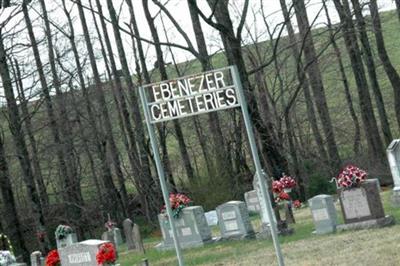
298, 249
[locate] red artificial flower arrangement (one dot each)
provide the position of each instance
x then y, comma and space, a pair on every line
288, 182
351, 176
178, 201
297, 204
106, 254
277, 186
53, 259
282, 197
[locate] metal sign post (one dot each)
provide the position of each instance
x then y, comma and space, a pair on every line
205, 92
256, 159
161, 176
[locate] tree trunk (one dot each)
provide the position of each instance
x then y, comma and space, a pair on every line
96, 132
41, 187
12, 226
160, 127
315, 77
66, 137
21, 149
222, 162
369, 60
374, 141
391, 72
271, 148
161, 66
113, 194
338, 54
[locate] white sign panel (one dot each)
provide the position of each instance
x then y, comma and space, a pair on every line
191, 95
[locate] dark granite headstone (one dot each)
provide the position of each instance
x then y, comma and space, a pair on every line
361, 204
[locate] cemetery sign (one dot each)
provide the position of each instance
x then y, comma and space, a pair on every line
206, 92
191, 95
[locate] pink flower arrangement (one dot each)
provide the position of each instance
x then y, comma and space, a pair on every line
351, 176
297, 204
282, 197
288, 182
178, 201
277, 186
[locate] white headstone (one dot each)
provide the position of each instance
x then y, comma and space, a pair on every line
263, 207
212, 218
393, 154
324, 213
252, 201
81, 254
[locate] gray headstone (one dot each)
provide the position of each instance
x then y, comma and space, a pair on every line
68, 240
393, 154
81, 254
362, 203
108, 236
137, 238
324, 213
252, 201
192, 228
37, 259
234, 220
117, 236
263, 208
212, 218
127, 226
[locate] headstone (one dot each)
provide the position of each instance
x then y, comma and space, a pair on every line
68, 240
363, 204
212, 218
252, 201
324, 213
234, 221
117, 236
265, 231
191, 226
108, 236
37, 259
81, 254
393, 154
127, 226
137, 238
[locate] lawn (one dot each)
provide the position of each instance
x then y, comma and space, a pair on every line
363, 247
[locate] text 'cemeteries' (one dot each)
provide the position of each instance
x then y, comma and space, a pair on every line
202, 93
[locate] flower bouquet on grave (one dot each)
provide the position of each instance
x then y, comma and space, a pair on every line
277, 188
282, 199
53, 258
351, 177
297, 204
106, 255
110, 225
178, 202
62, 231
288, 183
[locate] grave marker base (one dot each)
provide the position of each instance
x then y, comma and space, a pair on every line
388, 220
